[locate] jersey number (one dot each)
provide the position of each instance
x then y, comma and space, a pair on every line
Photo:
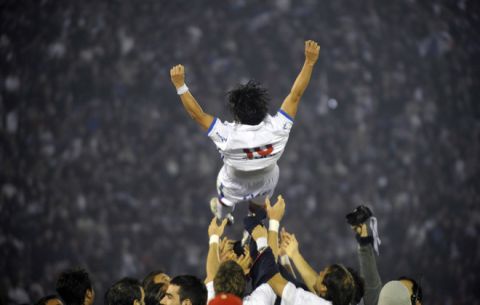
261, 152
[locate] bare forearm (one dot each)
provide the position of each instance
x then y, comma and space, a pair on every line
278, 283
195, 111
273, 242
309, 275
213, 262
302, 80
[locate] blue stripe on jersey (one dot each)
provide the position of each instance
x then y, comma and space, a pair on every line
285, 114
211, 126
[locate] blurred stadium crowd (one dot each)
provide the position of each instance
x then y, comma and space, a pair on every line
100, 166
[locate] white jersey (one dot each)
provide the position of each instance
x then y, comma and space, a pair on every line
251, 147
297, 296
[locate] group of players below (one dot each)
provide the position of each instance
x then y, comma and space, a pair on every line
259, 272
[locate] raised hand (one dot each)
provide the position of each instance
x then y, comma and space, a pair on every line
276, 211
226, 249
215, 229
312, 50
177, 74
361, 230
290, 245
259, 231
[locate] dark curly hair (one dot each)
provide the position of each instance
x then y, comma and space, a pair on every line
249, 103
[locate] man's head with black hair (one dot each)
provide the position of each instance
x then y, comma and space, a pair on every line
127, 291
336, 284
155, 285
49, 300
249, 103
75, 288
185, 290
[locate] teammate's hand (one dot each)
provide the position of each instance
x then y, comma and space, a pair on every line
215, 229
361, 230
244, 260
276, 211
312, 50
225, 249
177, 74
281, 248
290, 244
259, 231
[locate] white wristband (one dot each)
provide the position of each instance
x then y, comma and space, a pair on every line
183, 89
261, 244
214, 239
273, 225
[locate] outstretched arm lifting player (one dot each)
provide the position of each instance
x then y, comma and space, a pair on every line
252, 144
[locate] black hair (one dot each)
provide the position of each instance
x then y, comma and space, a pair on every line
45, 299
359, 285
72, 284
340, 285
417, 293
249, 103
154, 293
124, 292
192, 288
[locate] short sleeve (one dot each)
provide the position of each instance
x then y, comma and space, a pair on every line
219, 132
282, 122
264, 295
297, 296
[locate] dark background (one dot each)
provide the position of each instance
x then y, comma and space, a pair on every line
101, 167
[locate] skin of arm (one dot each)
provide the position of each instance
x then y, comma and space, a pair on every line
281, 252
275, 212
278, 283
177, 75
213, 258
290, 104
309, 275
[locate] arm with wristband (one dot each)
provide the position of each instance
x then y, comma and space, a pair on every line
290, 244
215, 231
177, 75
275, 214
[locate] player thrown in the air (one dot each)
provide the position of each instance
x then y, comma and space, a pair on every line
251, 145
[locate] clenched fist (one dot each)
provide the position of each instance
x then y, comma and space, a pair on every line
312, 50
177, 74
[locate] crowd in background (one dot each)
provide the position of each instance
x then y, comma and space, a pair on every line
101, 167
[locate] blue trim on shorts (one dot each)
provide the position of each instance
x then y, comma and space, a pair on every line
211, 126
285, 114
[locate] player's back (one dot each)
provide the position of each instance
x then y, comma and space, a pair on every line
251, 147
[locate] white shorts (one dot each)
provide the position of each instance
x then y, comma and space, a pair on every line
235, 186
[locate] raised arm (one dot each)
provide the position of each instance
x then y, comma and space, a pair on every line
215, 231
290, 104
275, 214
196, 112
309, 275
